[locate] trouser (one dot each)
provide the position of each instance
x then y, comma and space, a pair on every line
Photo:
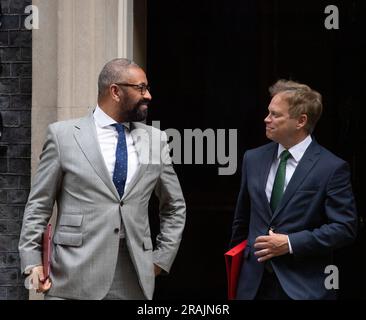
125, 284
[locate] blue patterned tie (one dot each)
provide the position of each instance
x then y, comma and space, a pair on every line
120, 167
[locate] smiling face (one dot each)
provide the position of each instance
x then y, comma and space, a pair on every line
280, 127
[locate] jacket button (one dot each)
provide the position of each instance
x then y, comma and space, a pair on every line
121, 203
116, 230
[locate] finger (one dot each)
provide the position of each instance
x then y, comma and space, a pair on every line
47, 285
41, 276
43, 287
262, 239
261, 253
261, 245
271, 233
265, 258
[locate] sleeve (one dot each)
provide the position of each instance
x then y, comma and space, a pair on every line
341, 226
39, 207
172, 211
240, 227
290, 251
29, 268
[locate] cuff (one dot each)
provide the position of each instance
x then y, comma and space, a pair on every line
29, 268
289, 245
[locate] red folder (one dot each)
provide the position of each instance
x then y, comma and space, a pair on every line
233, 260
47, 235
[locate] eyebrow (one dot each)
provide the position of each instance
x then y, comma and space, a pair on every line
273, 112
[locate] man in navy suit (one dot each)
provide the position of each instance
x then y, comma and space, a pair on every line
295, 204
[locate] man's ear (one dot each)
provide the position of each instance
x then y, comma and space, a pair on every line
113, 91
302, 121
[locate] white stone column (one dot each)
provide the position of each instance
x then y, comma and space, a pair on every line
88, 37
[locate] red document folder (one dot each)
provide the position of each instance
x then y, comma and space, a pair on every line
47, 235
233, 260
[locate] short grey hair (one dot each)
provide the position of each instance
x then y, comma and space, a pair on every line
112, 72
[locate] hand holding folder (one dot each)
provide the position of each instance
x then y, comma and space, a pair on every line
233, 260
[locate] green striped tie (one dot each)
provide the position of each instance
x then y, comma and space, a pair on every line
279, 182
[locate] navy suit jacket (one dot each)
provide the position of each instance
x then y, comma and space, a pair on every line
317, 212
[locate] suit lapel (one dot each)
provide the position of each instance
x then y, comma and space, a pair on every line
268, 159
141, 139
85, 135
306, 163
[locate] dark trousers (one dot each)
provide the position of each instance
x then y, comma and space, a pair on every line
270, 288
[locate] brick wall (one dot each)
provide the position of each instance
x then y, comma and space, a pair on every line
15, 147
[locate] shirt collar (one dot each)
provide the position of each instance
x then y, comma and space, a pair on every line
104, 120
298, 150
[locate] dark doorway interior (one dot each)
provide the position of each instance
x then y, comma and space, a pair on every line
210, 64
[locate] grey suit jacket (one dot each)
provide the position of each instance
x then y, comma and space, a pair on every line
73, 174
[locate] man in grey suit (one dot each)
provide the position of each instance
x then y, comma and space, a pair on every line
101, 171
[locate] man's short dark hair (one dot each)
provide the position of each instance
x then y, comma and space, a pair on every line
112, 72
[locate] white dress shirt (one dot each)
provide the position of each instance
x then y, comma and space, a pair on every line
108, 138
297, 152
